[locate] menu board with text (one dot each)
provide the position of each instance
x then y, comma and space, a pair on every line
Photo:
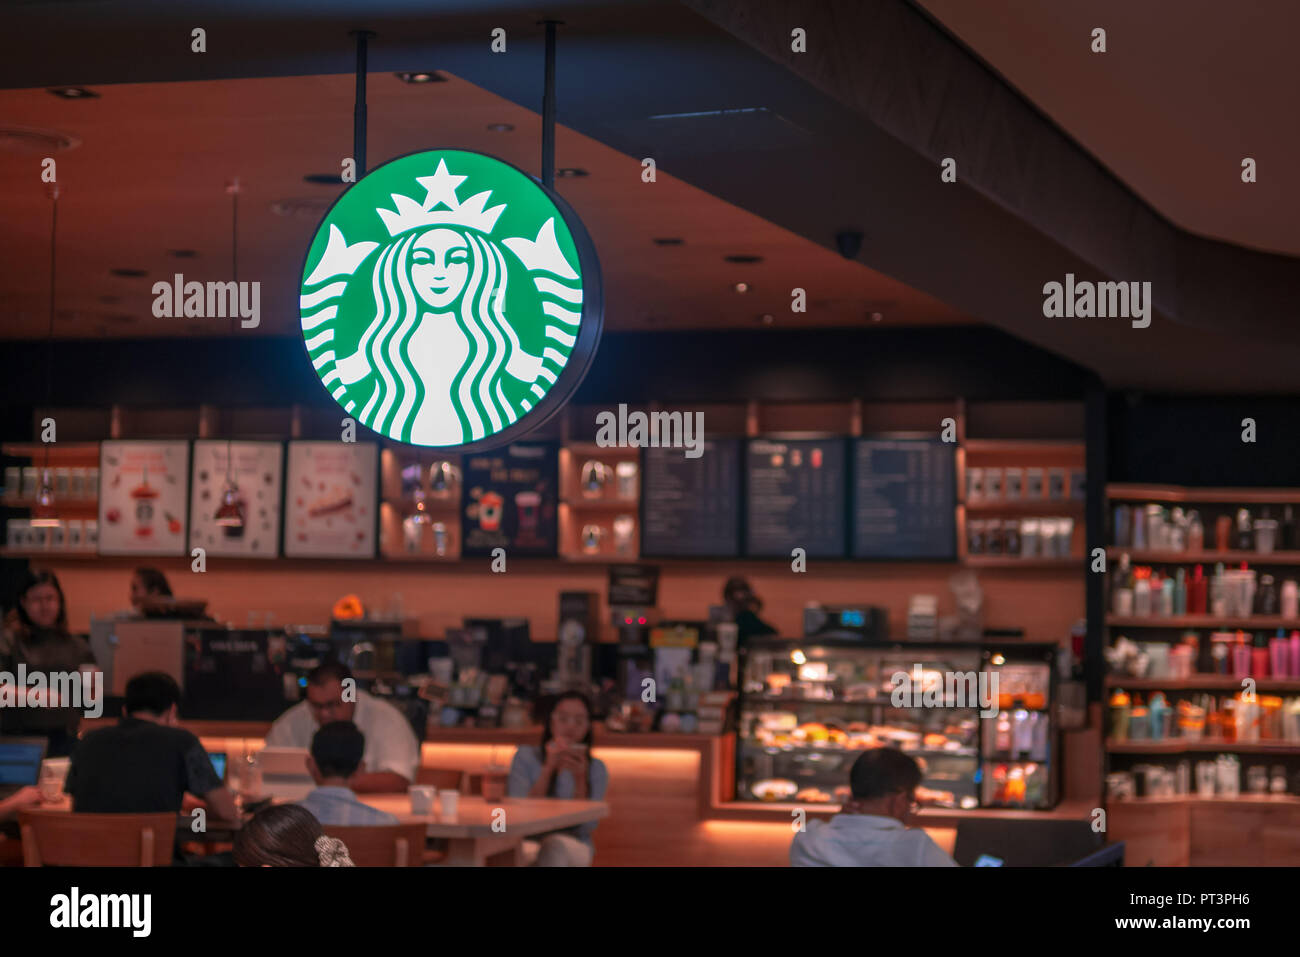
247, 522
330, 500
142, 497
691, 507
511, 500
904, 499
795, 497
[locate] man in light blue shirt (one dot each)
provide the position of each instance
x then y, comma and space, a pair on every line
336, 751
871, 828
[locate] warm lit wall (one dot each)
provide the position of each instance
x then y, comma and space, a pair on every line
1044, 602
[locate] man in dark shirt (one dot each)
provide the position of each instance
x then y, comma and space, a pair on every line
146, 762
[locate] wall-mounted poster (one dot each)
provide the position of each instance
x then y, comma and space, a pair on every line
247, 522
330, 500
510, 500
142, 497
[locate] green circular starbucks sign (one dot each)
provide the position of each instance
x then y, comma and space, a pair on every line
449, 299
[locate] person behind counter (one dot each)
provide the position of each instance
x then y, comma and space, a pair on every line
744, 606
392, 753
36, 636
562, 768
336, 751
148, 583
871, 829
147, 762
287, 835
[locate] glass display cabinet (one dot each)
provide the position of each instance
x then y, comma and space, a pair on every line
809, 707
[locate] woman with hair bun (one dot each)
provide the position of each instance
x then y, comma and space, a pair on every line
287, 835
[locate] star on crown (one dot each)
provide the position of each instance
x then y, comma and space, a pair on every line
441, 207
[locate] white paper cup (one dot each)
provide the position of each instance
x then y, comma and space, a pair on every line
449, 801
421, 798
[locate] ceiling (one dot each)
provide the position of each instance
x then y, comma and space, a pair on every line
1182, 94
149, 172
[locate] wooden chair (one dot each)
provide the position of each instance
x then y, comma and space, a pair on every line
441, 778
395, 845
68, 839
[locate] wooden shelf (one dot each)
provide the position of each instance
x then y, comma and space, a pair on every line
1037, 446
60, 553
604, 505
1180, 493
61, 453
1155, 556
1253, 623
1011, 561
61, 503
629, 453
1202, 683
1038, 508
1221, 800
1184, 745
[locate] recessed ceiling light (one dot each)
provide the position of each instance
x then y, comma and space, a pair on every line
501, 127
182, 253
129, 273
571, 171
877, 316
668, 241
743, 259
421, 77
767, 318
74, 93
323, 179
741, 287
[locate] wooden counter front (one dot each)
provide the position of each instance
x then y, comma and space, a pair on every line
1247, 831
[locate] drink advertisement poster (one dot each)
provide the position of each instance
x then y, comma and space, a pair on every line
330, 500
511, 500
142, 497
235, 498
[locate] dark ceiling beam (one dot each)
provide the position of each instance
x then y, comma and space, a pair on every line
892, 64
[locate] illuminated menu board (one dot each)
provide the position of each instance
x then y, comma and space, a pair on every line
904, 499
795, 497
691, 507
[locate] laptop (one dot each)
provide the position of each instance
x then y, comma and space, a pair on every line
218, 759
284, 773
20, 763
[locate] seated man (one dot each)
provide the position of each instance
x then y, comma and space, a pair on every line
392, 754
336, 751
146, 763
871, 828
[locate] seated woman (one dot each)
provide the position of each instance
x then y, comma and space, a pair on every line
36, 635
562, 768
287, 835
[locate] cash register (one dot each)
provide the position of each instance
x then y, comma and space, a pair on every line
865, 623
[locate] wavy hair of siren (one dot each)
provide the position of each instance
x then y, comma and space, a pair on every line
494, 354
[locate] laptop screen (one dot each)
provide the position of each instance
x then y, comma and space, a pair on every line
218, 763
20, 761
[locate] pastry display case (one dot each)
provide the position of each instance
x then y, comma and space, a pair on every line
808, 708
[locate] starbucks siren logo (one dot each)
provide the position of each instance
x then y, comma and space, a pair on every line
445, 321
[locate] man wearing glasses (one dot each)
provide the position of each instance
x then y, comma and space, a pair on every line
871, 829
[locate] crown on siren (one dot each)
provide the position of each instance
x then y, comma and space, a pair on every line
441, 207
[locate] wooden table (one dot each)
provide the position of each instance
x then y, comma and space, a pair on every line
471, 839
